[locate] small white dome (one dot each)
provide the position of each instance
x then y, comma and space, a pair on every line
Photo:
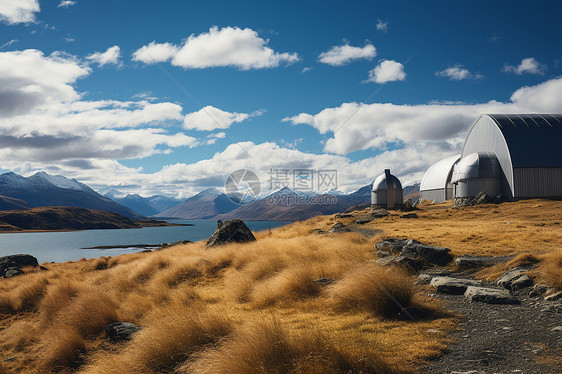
476, 166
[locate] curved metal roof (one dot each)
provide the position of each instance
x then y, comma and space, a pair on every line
437, 175
477, 165
534, 140
382, 181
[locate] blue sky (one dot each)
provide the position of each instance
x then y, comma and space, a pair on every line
171, 96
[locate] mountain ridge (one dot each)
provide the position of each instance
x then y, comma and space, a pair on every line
42, 189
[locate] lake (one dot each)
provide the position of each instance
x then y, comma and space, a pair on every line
67, 246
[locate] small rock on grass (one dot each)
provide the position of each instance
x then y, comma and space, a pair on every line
490, 295
340, 227
363, 221
121, 331
409, 215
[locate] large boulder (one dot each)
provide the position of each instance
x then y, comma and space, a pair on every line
234, 231
11, 265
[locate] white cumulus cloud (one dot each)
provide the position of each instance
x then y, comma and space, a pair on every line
18, 11
387, 71
528, 65
155, 52
344, 54
43, 119
210, 118
457, 73
356, 126
109, 57
228, 46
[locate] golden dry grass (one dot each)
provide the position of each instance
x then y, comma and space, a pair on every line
266, 347
235, 305
383, 291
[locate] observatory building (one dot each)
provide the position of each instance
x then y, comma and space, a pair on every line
436, 183
387, 192
514, 155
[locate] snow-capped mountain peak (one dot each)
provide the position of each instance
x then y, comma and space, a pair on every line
59, 181
211, 191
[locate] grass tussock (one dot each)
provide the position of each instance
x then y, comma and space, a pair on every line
289, 285
173, 336
63, 351
25, 295
550, 269
383, 291
88, 314
20, 334
266, 347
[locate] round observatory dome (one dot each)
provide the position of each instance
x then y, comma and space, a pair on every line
387, 191
475, 173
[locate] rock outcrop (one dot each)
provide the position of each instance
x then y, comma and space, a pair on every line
11, 265
412, 253
234, 231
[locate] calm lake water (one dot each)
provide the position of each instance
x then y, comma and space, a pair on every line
67, 246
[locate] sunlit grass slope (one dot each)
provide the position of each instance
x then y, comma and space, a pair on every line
258, 307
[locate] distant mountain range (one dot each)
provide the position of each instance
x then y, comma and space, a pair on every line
147, 206
285, 204
207, 204
42, 189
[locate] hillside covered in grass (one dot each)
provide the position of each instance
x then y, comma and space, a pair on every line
294, 301
69, 218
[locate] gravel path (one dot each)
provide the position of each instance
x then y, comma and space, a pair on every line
503, 338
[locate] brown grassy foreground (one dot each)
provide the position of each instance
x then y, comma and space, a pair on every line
257, 307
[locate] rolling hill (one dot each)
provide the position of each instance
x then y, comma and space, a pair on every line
67, 218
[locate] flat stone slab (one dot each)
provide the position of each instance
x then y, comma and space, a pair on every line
452, 286
474, 262
490, 295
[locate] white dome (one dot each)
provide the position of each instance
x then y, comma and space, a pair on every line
437, 176
477, 166
386, 179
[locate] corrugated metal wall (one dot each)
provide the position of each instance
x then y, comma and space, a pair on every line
538, 182
485, 136
434, 195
